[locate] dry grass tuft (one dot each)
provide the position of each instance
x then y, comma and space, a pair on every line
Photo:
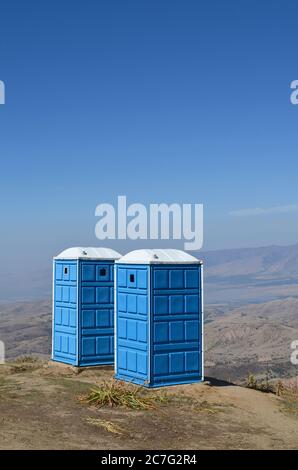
121, 394
109, 426
205, 406
289, 393
197, 405
24, 364
26, 359
260, 385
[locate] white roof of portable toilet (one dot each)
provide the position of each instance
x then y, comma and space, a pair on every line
89, 253
158, 256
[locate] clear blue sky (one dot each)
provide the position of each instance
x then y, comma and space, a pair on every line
164, 101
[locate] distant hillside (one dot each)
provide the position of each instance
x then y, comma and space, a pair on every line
232, 277
251, 338
272, 262
251, 274
251, 311
25, 328
22, 283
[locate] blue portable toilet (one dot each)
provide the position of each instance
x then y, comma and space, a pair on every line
159, 318
83, 306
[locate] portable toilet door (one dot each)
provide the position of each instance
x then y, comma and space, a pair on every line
83, 306
159, 318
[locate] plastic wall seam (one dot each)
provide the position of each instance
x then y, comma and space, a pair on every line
202, 318
78, 310
115, 318
149, 270
53, 306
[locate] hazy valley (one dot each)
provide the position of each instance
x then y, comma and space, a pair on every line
253, 338
251, 314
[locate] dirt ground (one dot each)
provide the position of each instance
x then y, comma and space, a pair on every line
40, 409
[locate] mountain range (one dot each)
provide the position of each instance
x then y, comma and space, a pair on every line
252, 338
250, 274
251, 312
231, 276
